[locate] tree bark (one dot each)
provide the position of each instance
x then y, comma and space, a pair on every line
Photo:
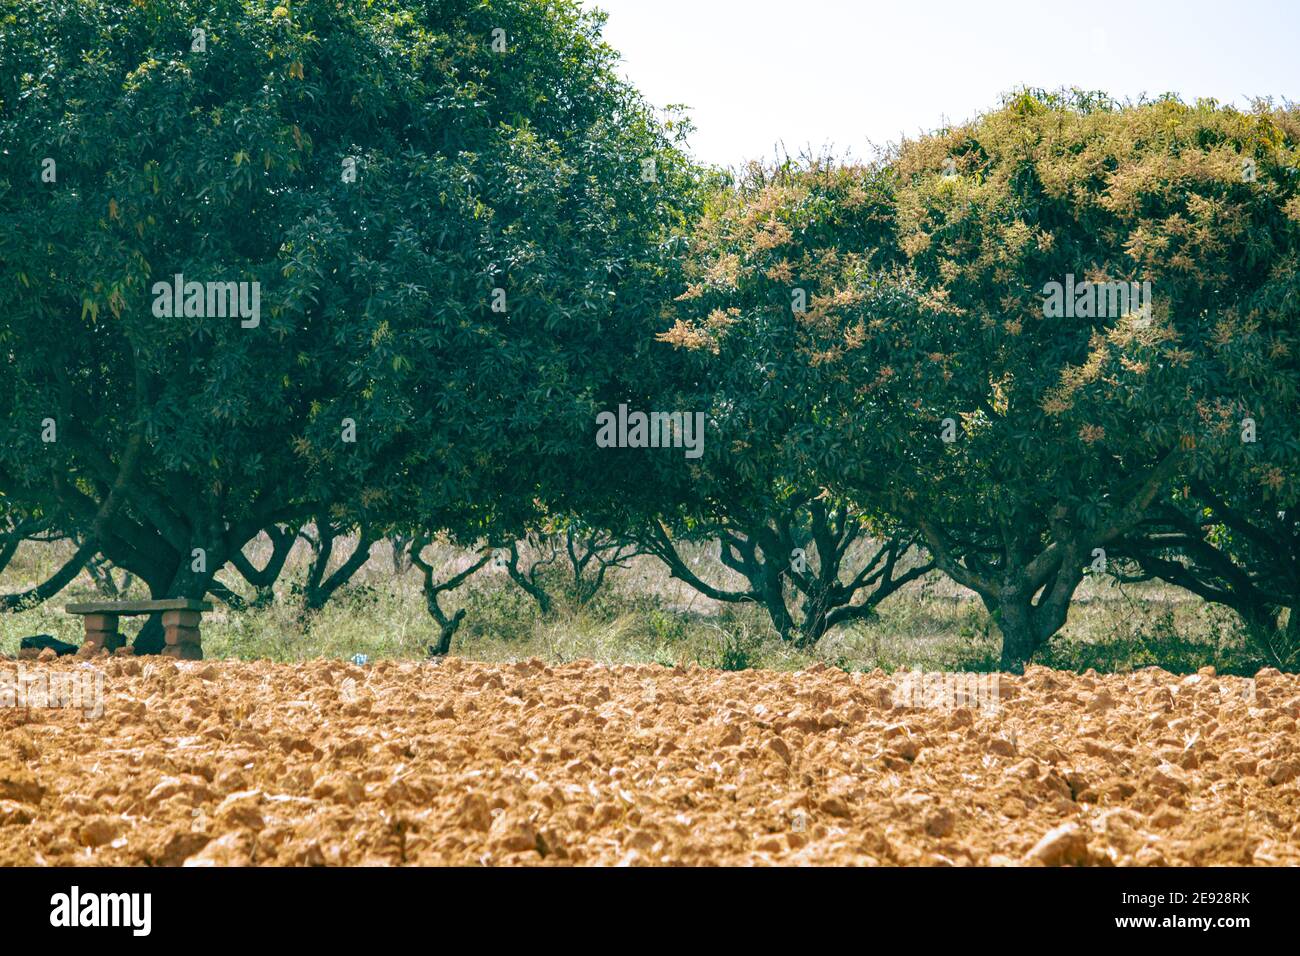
185, 582
263, 580
319, 592
98, 530
1014, 616
528, 582
432, 589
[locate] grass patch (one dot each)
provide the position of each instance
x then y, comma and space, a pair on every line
642, 616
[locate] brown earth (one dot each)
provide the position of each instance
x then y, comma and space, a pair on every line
223, 762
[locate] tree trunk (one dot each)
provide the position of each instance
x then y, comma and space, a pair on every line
47, 589
816, 622
772, 586
448, 628
527, 584
185, 583
1014, 616
318, 592
9, 547
432, 589
811, 631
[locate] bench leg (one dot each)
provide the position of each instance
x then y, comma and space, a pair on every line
181, 633
102, 633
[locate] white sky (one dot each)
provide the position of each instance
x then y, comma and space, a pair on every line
813, 73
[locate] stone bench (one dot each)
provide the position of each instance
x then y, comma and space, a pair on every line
180, 620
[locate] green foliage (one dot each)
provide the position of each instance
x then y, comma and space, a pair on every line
475, 170
926, 278
767, 310
459, 257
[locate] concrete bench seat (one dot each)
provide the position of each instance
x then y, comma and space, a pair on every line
180, 620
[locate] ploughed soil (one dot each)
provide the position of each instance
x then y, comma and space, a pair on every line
453, 762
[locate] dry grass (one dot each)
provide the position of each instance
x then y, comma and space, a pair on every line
645, 616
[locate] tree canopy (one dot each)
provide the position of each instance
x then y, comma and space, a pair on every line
444, 208
398, 268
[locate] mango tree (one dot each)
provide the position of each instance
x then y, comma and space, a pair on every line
1231, 533
261, 264
1027, 399
775, 259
